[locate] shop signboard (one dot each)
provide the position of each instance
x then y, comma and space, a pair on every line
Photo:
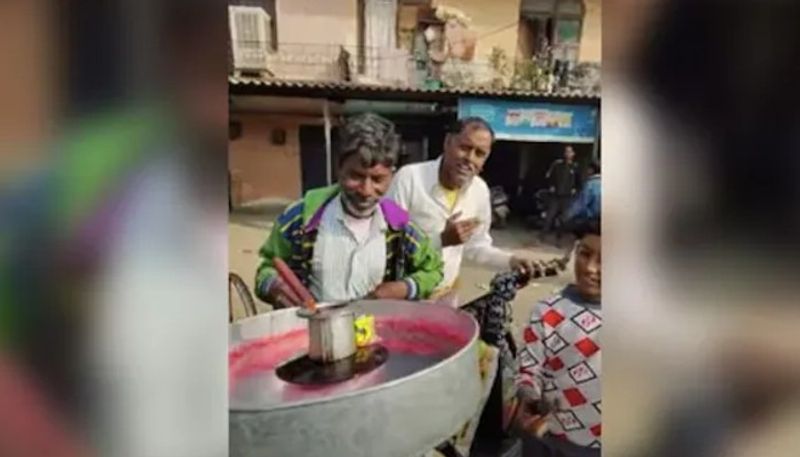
526, 121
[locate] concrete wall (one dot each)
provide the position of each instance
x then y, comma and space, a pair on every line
495, 23
591, 38
267, 171
314, 21
314, 30
489, 17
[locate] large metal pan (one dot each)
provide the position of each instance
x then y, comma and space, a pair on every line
402, 409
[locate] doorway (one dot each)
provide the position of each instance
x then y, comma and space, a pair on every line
313, 165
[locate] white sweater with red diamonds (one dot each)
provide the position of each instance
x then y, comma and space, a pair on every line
561, 361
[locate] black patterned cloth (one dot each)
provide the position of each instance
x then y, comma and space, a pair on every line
494, 313
493, 310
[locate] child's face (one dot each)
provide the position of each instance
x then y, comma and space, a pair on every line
587, 267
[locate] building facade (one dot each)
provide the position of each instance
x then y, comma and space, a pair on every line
410, 60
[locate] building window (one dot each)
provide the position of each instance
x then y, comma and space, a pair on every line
377, 22
409, 13
553, 24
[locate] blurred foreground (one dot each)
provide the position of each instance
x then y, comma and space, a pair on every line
114, 228
701, 138
113, 236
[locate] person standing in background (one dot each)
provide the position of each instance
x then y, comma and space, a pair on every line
587, 204
563, 179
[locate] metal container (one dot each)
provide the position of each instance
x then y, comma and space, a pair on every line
331, 333
394, 411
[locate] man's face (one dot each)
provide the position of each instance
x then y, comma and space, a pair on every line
569, 154
587, 267
465, 153
363, 187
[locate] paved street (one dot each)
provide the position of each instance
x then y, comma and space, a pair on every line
249, 228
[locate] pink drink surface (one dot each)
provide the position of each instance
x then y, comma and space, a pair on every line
412, 346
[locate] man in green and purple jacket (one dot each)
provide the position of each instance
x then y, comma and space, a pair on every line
347, 241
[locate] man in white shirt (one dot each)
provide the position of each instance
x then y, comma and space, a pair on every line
450, 203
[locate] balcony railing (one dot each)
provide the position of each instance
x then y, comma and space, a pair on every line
399, 68
330, 62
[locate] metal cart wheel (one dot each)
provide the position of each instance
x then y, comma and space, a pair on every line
236, 284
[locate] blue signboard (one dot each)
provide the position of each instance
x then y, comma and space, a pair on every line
525, 121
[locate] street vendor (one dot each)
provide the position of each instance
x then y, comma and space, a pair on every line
348, 241
451, 204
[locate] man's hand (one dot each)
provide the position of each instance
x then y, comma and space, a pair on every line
458, 232
282, 296
390, 290
520, 264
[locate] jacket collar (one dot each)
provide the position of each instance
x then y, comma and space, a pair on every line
395, 216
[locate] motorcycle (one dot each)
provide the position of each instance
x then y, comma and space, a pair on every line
537, 215
500, 207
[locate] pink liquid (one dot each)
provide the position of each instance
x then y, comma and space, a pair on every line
264, 354
410, 344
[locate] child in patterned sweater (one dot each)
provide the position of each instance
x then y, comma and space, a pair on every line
559, 375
